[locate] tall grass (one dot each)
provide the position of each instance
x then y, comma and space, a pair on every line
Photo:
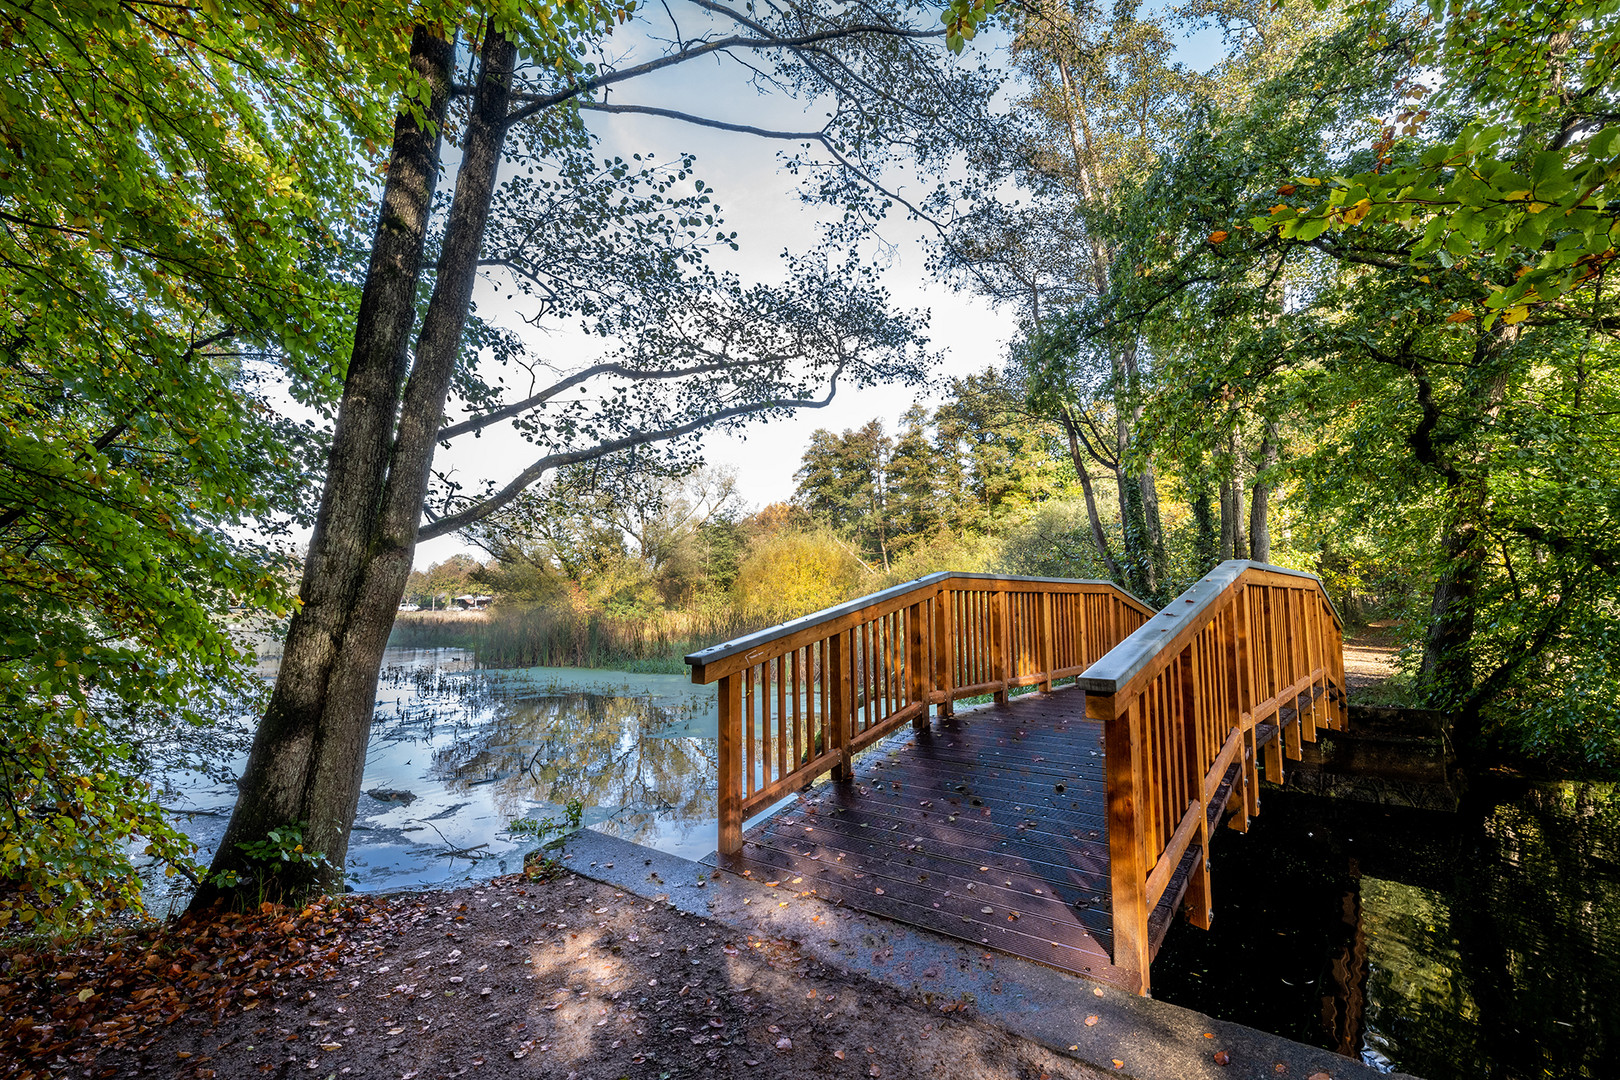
544, 635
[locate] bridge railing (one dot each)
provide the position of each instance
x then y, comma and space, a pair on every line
1183, 700
799, 699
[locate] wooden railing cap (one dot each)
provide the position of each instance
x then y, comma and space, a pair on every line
703, 657
1121, 663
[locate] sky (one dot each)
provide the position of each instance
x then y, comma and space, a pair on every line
760, 202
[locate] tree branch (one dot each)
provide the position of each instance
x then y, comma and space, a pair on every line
704, 121
506, 412
538, 103
484, 507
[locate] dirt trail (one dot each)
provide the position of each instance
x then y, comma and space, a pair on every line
1369, 657
566, 978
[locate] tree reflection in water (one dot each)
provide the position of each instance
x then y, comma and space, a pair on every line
1480, 944
613, 753
639, 751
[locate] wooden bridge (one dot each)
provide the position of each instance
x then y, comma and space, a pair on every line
1065, 826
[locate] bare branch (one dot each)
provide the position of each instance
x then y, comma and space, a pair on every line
704, 121
483, 508
624, 371
538, 103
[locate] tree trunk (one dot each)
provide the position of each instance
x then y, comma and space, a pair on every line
1206, 538
1447, 673
1226, 520
309, 752
1260, 506
1240, 542
1082, 470
1138, 549
1155, 525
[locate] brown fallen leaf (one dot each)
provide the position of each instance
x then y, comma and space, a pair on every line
1319, 1075
1097, 990
839, 1054
1090, 1020
1222, 1058
1118, 1064
784, 1043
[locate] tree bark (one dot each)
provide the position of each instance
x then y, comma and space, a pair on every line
1448, 663
309, 752
1260, 505
1082, 470
1155, 526
1206, 541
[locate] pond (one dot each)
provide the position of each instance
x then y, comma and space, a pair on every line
459, 753
1479, 944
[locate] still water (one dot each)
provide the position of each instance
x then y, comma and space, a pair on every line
463, 752
1479, 944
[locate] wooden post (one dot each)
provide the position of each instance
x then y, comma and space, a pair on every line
731, 778
840, 686
1001, 650
1127, 870
1303, 629
919, 668
1048, 646
945, 650
1198, 755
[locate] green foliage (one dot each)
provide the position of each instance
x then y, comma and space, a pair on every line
179, 188
1434, 353
1517, 192
541, 828
283, 844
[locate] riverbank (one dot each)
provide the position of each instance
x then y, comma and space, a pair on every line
564, 977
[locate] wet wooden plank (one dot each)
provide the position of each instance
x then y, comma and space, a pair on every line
1002, 807
999, 808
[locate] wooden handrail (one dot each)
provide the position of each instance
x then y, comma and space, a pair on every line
799, 699
1183, 701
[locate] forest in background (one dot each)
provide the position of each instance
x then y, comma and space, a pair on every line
584, 576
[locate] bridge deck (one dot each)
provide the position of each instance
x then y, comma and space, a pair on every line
988, 826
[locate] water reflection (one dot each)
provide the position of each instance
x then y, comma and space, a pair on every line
456, 754
1481, 944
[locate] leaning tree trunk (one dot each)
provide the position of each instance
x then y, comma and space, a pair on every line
1082, 470
309, 752
1260, 504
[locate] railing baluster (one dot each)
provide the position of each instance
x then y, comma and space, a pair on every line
944, 650
748, 729
1048, 654
917, 665
797, 692
841, 691
731, 785
1002, 649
